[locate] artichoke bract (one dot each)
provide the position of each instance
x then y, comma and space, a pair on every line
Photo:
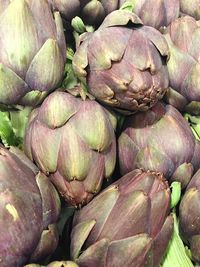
155, 13
191, 8
29, 209
32, 53
92, 12
183, 65
189, 216
127, 224
123, 62
159, 140
55, 264
72, 141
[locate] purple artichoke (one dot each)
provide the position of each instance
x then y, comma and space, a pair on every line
155, 13
189, 215
128, 224
29, 209
123, 63
72, 141
184, 67
92, 12
159, 140
191, 8
32, 53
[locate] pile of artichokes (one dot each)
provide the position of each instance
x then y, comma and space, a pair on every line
99, 133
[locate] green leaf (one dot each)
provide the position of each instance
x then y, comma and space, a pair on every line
12, 126
70, 80
127, 6
19, 120
69, 54
194, 122
175, 194
7, 133
177, 254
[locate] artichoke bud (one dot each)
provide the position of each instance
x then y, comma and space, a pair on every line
78, 136
19, 174
145, 133
94, 240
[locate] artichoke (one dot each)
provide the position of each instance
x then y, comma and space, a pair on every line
189, 216
191, 8
183, 37
33, 51
55, 264
123, 63
72, 141
155, 13
91, 11
29, 209
159, 140
128, 224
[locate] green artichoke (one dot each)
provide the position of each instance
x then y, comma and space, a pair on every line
128, 224
32, 53
72, 141
189, 215
191, 8
123, 63
55, 264
159, 140
155, 13
29, 209
91, 11
183, 66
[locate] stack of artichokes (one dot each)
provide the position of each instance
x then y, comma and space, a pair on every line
99, 133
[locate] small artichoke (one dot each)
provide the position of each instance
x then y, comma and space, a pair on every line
159, 140
32, 53
72, 141
183, 65
123, 63
92, 12
128, 224
29, 209
189, 216
155, 13
191, 8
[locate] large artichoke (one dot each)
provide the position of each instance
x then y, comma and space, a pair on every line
184, 66
29, 209
32, 53
125, 225
155, 13
189, 214
91, 11
74, 142
123, 62
159, 140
